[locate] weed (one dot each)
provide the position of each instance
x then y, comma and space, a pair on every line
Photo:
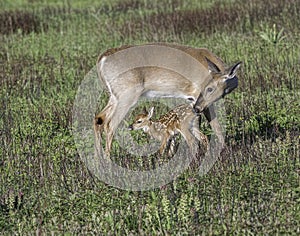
272, 35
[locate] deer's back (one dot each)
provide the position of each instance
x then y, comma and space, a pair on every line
199, 54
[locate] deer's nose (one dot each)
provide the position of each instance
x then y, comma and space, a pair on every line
130, 127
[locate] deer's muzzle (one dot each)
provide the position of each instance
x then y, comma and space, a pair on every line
196, 108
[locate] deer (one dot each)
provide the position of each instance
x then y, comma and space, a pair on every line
134, 71
181, 120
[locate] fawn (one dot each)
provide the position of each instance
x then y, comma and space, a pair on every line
181, 120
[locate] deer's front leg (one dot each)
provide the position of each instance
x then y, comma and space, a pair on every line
202, 138
210, 115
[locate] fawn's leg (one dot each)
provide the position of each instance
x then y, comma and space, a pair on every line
186, 130
164, 143
171, 146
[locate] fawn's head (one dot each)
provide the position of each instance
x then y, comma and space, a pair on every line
220, 84
142, 121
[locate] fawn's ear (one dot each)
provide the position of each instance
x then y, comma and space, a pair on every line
150, 113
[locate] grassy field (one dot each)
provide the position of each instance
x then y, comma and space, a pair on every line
46, 49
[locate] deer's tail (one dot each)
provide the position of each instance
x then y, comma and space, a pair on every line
98, 130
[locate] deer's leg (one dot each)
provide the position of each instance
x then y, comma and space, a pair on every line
164, 143
101, 123
191, 140
171, 146
214, 123
162, 146
100, 118
202, 138
125, 101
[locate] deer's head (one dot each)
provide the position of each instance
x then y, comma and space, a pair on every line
142, 121
220, 84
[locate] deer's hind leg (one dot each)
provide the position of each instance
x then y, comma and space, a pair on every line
172, 145
115, 111
101, 123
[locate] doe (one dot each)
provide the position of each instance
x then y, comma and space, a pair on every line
130, 72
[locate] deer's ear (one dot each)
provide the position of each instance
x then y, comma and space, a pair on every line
150, 113
231, 71
212, 66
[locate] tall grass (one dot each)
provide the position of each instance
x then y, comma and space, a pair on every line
45, 52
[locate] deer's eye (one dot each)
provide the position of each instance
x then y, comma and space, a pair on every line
209, 90
139, 121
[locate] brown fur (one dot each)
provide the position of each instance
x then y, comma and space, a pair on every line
181, 119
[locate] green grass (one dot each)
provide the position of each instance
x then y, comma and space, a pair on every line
46, 51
